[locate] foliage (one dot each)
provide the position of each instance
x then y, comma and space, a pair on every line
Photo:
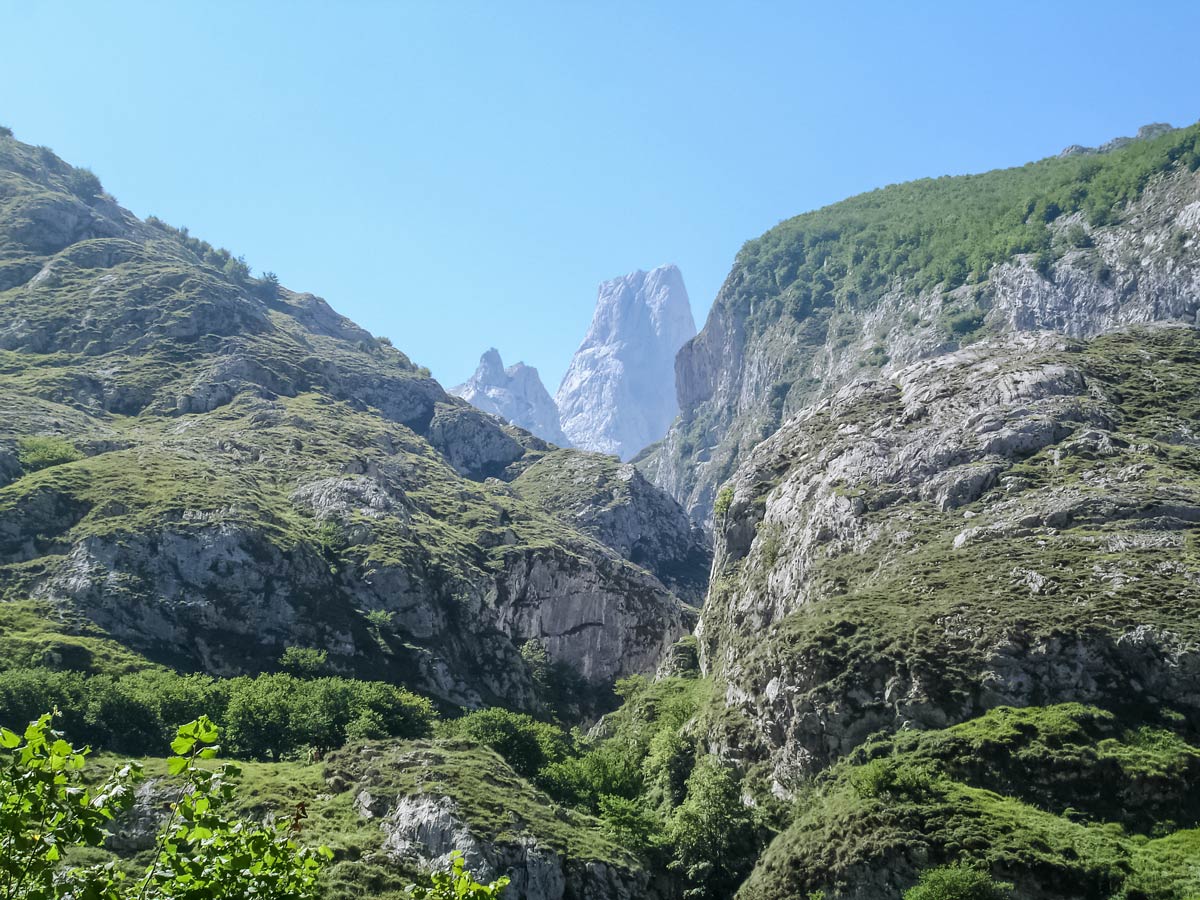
5, 131
203, 852
267, 716
939, 231
45, 811
630, 823
712, 833
457, 884
304, 662
958, 882
36, 453
525, 743
84, 184
1042, 796
724, 499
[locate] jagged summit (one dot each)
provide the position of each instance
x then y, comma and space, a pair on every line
515, 394
618, 395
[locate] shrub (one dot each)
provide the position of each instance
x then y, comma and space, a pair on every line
724, 499
630, 824
36, 453
267, 287
5, 131
958, 882
456, 883
84, 184
269, 716
526, 744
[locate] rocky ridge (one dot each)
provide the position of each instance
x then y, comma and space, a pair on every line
996, 526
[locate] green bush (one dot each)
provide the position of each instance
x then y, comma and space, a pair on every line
35, 453
525, 743
724, 499
712, 833
958, 882
84, 184
456, 884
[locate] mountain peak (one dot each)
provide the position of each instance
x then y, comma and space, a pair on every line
515, 394
618, 395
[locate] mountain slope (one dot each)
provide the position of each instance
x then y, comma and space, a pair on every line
211, 468
1079, 244
1012, 524
618, 394
515, 394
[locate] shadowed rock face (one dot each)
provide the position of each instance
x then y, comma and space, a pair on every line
618, 395
259, 472
515, 394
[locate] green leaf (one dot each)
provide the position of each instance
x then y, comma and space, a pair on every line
176, 764
9, 739
182, 745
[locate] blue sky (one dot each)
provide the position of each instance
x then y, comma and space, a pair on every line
458, 175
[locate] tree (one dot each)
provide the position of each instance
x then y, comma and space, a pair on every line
526, 744
203, 851
712, 833
304, 662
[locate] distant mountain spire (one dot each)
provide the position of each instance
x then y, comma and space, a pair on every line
515, 394
618, 395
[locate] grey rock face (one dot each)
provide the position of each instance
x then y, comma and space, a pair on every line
515, 394
736, 386
615, 504
618, 395
995, 526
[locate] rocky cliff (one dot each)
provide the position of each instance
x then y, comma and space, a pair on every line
618, 395
515, 394
1011, 524
211, 468
1079, 245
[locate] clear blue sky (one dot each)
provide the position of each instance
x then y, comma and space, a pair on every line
457, 175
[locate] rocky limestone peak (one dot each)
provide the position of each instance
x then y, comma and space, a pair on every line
618, 395
515, 394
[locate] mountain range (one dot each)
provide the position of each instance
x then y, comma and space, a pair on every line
899, 589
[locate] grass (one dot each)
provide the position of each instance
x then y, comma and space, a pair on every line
950, 796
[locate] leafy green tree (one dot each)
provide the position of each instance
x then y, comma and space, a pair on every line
712, 833
526, 744
456, 884
958, 882
304, 662
630, 824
